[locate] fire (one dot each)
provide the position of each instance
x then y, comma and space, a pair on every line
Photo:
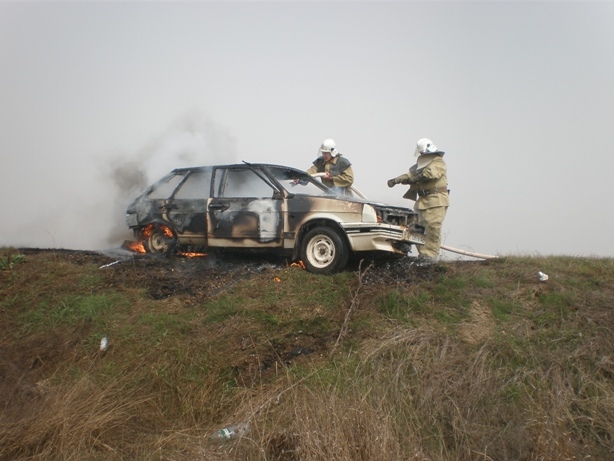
298, 263
146, 232
191, 254
137, 247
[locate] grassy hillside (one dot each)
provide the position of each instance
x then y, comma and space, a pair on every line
386, 361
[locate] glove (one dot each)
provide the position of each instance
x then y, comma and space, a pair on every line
392, 182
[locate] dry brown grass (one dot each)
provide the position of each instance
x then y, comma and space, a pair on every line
468, 361
422, 395
64, 422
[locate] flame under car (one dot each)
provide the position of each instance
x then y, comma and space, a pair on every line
270, 208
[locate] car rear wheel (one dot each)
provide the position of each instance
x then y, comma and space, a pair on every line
324, 251
161, 240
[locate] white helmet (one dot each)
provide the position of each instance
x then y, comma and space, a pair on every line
328, 145
425, 146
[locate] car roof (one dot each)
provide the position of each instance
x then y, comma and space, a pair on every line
237, 165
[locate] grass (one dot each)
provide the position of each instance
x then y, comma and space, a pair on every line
473, 360
9, 260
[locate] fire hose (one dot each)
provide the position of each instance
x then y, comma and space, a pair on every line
467, 253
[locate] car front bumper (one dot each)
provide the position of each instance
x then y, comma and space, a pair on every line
379, 237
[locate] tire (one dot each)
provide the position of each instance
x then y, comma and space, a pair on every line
159, 242
324, 251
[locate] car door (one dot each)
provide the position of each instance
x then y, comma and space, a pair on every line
245, 210
187, 208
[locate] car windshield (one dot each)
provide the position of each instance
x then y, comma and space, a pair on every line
165, 187
299, 182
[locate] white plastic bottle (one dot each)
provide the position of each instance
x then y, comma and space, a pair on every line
231, 432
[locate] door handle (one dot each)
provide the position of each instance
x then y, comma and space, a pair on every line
219, 206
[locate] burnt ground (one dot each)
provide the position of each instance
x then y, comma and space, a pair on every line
199, 276
194, 279
207, 275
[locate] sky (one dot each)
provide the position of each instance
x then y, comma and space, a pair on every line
100, 99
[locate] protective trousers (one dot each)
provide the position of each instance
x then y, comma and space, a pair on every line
432, 220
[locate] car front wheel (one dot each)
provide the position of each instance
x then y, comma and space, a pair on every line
160, 240
324, 251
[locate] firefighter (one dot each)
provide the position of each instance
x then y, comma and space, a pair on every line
429, 189
334, 169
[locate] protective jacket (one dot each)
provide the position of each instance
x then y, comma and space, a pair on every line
339, 168
428, 182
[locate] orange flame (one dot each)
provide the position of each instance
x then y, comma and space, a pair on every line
137, 247
298, 263
191, 254
146, 232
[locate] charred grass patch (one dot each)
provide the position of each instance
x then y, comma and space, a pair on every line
459, 362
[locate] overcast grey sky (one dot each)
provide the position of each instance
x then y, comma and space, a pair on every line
98, 99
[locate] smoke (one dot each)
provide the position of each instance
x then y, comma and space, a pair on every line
80, 204
190, 141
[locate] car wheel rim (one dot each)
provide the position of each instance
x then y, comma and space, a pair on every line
160, 243
321, 251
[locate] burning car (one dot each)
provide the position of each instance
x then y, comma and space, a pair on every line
267, 207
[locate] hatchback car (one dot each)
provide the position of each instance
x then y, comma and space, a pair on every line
268, 207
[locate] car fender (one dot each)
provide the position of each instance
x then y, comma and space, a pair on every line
324, 220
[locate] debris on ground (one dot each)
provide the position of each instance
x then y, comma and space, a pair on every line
231, 432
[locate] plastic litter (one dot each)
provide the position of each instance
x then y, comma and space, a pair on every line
231, 432
104, 344
542, 277
110, 264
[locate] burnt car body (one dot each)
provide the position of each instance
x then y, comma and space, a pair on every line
267, 207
